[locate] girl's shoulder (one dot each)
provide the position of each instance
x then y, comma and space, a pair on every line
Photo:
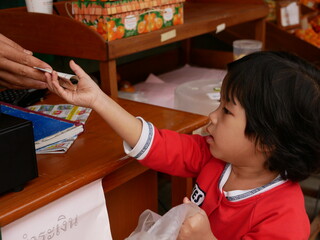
287, 197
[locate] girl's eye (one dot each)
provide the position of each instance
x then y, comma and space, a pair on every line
226, 111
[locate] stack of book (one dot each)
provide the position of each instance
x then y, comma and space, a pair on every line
51, 134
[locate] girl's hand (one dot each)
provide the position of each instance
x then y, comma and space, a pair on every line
196, 227
85, 93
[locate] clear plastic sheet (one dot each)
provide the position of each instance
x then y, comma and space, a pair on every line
152, 226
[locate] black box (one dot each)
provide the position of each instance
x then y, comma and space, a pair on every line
18, 162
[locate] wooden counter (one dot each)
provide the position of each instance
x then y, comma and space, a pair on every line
130, 188
61, 35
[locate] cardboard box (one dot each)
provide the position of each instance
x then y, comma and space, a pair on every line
120, 19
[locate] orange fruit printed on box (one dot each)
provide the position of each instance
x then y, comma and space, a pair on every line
121, 19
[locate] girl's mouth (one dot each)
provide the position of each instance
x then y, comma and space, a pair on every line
209, 139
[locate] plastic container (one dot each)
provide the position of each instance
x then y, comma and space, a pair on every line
200, 96
244, 47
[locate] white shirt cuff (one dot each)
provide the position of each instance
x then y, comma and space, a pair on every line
144, 143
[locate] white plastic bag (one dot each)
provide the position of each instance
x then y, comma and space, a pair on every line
152, 226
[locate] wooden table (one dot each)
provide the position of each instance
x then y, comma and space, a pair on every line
130, 188
61, 35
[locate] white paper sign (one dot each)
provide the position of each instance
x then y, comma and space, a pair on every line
290, 15
80, 215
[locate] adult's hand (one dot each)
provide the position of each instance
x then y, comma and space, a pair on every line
16, 67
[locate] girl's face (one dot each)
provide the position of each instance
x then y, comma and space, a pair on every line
227, 139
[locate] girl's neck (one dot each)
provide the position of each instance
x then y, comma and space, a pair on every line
244, 178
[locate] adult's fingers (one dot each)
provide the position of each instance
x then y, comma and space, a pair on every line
11, 43
26, 63
35, 62
18, 69
9, 85
19, 62
10, 80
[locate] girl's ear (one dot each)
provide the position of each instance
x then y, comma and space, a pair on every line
264, 148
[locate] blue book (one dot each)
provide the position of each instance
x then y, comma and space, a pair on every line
47, 129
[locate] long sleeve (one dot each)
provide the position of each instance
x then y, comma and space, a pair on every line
170, 152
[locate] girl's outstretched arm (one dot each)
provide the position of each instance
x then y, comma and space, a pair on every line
88, 94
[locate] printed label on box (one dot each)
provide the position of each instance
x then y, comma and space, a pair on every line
168, 14
130, 22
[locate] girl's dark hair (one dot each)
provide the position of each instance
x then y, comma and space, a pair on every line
280, 93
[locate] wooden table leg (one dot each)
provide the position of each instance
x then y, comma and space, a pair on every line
186, 47
260, 31
108, 77
126, 202
181, 187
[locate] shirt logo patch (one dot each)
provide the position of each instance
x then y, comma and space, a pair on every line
197, 195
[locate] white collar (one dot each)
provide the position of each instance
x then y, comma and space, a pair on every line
238, 195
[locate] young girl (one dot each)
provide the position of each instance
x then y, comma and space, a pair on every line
262, 140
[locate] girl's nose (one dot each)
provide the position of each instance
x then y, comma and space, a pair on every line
213, 116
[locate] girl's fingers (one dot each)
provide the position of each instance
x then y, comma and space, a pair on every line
78, 70
56, 84
53, 82
186, 200
49, 81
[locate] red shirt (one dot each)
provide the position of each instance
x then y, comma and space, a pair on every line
278, 213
